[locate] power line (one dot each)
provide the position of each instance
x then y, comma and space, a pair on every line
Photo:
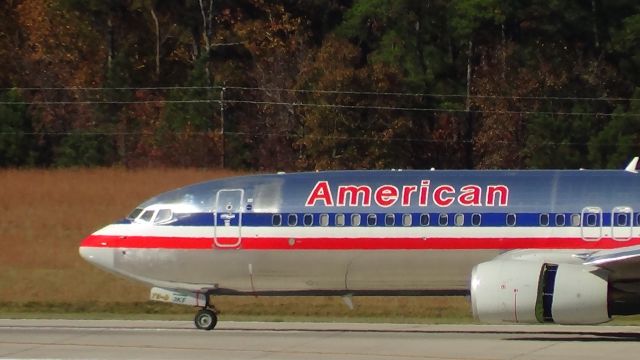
317, 105
461, 96
435, 110
285, 135
315, 91
113, 102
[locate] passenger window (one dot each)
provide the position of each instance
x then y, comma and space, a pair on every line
476, 219
372, 220
443, 219
324, 219
163, 215
276, 220
292, 219
544, 219
406, 220
591, 220
389, 220
146, 216
511, 219
621, 219
308, 219
424, 220
575, 219
339, 219
459, 219
355, 219
559, 219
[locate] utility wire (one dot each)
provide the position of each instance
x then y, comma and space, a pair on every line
333, 92
282, 135
316, 105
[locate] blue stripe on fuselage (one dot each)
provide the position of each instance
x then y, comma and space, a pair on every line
487, 219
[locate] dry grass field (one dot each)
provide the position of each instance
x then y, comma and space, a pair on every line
44, 214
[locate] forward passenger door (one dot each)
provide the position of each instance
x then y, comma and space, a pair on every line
228, 218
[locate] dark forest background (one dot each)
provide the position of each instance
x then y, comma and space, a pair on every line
319, 84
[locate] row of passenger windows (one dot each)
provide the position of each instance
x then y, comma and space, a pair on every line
372, 219
443, 219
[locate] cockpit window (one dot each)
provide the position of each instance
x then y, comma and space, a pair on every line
134, 214
146, 216
163, 215
154, 214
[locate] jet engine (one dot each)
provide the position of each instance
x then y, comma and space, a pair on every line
533, 292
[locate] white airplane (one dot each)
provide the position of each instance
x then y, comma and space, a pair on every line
529, 246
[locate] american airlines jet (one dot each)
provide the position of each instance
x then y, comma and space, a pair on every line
529, 246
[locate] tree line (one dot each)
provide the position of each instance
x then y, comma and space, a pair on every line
319, 84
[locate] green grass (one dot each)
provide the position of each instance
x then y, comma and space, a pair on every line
322, 309
316, 309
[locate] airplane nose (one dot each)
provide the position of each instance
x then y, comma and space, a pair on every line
101, 257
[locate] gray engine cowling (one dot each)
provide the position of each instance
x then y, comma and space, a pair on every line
530, 292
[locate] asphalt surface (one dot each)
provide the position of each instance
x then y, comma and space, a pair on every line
115, 339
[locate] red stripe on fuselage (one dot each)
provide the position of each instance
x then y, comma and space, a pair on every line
147, 242
361, 243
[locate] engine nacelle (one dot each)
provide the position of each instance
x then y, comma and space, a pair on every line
529, 292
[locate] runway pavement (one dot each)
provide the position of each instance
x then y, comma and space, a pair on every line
115, 339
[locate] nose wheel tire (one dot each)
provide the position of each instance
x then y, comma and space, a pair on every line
206, 319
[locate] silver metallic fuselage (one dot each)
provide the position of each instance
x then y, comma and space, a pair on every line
285, 234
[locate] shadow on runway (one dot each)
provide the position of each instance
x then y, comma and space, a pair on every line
581, 337
527, 335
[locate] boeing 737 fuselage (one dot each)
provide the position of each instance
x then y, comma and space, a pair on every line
530, 246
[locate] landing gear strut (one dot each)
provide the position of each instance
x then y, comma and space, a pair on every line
206, 319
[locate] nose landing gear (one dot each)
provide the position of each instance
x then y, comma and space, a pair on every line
206, 319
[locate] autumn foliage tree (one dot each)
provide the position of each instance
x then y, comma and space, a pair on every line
320, 84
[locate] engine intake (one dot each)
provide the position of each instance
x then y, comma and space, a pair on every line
530, 292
